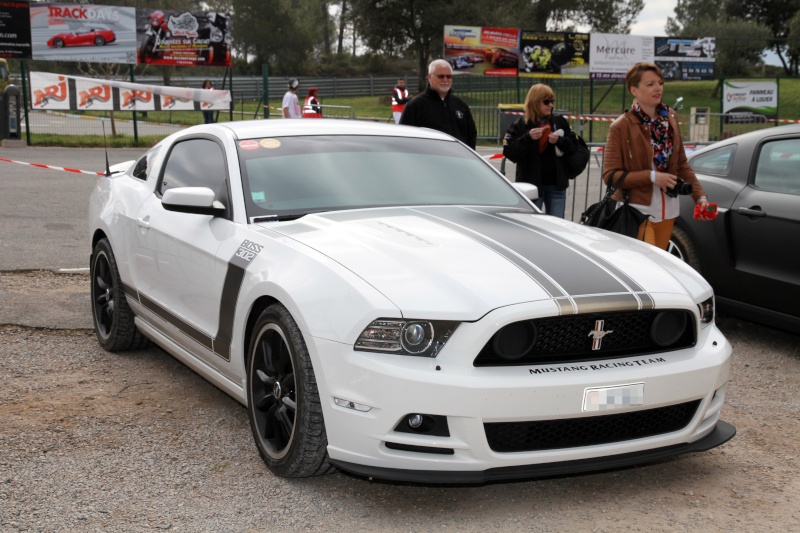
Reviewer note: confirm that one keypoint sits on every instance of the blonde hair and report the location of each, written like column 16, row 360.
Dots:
column 634, row 75
column 536, row 94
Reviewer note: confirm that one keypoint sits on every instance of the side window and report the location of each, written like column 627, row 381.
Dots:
column 778, row 167
column 143, row 167
column 196, row 163
column 716, row 162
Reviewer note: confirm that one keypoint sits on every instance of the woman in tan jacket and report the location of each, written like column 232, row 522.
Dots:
column 646, row 141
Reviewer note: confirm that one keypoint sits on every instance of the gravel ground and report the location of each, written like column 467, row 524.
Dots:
column 95, row 441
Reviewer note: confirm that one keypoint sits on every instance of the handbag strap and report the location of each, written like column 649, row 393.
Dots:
column 612, row 187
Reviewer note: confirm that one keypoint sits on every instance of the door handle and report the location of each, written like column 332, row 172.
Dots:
column 751, row 212
column 143, row 223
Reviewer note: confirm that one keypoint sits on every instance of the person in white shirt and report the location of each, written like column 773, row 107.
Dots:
column 291, row 107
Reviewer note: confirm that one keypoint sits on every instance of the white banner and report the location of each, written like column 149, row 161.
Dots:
column 58, row 91
column 613, row 54
column 759, row 97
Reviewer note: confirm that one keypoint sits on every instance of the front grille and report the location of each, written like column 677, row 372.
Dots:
column 505, row 437
column 569, row 339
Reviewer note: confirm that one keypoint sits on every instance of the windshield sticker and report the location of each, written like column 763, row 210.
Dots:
column 270, row 143
column 258, row 197
column 597, row 366
column 248, row 145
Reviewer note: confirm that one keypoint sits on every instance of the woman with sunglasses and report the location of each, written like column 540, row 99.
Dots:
column 534, row 142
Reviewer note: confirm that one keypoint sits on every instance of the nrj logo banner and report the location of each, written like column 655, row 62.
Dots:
column 75, row 93
column 759, row 97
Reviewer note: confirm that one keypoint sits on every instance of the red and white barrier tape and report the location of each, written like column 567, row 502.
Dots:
column 64, row 169
column 569, row 117
column 785, row 120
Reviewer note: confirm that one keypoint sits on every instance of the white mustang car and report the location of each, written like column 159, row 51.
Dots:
column 384, row 302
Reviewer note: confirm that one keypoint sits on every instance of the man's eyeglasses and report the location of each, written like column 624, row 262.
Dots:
column 444, row 76
column 548, row 101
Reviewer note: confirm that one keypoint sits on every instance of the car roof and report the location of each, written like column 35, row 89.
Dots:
column 251, row 129
column 751, row 137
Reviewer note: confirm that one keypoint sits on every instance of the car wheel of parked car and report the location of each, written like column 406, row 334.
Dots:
column 283, row 402
column 682, row 247
column 99, row 41
column 58, row 43
column 113, row 318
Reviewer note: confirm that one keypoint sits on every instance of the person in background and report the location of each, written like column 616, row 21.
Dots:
column 399, row 99
column 646, row 141
column 311, row 107
column 534, row 141
column 290, row 105
column 439, row 109
column 208, row 115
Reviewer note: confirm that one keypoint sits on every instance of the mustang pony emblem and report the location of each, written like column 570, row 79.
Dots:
column 597, row 334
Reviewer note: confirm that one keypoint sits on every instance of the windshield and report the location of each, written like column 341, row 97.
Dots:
column 297, row 175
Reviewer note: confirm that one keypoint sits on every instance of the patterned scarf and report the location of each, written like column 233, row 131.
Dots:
column 660, row 134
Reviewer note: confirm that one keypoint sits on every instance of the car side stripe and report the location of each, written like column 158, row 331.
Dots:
column 184, row 327
column 234, row 277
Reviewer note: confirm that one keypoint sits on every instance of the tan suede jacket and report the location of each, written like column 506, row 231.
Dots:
column 628, row 148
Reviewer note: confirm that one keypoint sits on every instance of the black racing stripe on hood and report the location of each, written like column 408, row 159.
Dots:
column 574, row 271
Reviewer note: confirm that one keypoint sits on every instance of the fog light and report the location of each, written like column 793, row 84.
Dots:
column 415, row 421
column 347, row 404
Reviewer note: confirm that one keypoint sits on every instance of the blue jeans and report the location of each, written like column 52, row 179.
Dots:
column 555, row 201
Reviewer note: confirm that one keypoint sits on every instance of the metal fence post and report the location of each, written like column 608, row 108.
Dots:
column 135, row 124
column 265, row 78
column 24, row 76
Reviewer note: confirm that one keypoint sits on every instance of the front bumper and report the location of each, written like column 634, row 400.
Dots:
column 449, row 386
column 723, row 432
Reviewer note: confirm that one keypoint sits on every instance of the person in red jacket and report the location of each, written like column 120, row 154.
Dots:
column 311, row 107
column 399, row 99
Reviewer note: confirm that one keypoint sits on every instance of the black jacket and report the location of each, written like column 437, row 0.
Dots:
column 519, row 148
column 451, row 115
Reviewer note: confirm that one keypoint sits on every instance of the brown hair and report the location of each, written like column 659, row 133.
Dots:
column 635, row 73
column 536, row 94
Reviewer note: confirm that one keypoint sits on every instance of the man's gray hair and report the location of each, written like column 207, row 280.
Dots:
column 438, row 63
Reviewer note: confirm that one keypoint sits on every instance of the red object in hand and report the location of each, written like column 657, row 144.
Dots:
column 709, row 213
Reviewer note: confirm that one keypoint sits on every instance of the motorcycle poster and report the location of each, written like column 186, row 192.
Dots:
column 183, row 38
column 554, row 55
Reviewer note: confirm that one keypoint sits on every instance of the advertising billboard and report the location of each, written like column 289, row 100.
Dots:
column 683, row 58
column 62, row 92
column 483, row 51
column 554, row 54
column 757, row 97
column 613, row 54
column 183, row 38
column 90, row 33
column 15, row 30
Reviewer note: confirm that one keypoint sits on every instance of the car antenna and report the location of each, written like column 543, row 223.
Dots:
column 105, row 147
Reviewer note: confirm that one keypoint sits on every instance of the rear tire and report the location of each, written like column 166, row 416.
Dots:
column 282, row 399
column 681, row 246
column 99, row 41
column 113, row 318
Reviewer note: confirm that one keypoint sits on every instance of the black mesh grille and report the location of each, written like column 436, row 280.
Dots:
column 506, row 437
column 566, row 339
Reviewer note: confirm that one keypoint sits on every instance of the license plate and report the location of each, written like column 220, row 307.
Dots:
column 609, row 398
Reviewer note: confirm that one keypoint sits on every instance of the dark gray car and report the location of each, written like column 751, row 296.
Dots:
column 751, row 253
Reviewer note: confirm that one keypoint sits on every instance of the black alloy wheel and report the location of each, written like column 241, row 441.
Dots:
column 282, row 398
column 113, row 318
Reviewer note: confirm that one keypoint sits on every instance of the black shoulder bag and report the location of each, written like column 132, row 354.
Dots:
column 624, row 220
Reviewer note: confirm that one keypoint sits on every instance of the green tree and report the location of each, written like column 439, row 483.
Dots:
column 775, row 15
column 604, row 16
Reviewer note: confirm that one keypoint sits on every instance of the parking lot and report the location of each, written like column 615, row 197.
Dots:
column 93, row 441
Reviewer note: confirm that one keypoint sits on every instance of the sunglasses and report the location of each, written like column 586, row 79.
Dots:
column 548, row 101
column 444, row 76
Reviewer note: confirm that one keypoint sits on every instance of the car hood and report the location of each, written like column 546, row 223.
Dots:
column 462, row 262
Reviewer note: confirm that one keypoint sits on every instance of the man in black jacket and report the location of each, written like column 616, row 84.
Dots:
column 439, row 109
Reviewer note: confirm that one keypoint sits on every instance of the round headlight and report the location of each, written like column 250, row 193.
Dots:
column 416, row 337
column 668, row 327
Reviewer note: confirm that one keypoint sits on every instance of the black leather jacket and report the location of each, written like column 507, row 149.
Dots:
column 519, row 148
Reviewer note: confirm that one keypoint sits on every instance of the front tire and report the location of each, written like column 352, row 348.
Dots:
column 682, row 247
column 282, row 399
column 58, row 43
column 99, row 41
column 112, row 317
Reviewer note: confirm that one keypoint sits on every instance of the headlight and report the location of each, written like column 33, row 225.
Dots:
column 423, row 338
column 707, row 311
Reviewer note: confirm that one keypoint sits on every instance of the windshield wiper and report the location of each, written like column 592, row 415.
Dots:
column 277, row 218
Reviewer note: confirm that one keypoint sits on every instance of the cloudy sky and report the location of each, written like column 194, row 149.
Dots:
column 653, row 18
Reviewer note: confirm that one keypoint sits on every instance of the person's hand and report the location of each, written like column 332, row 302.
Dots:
column 703, row 203
column 665, row 181
column 553, row 138
column 536, row 133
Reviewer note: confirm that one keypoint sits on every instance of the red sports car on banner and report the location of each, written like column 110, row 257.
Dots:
column 85, row 38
